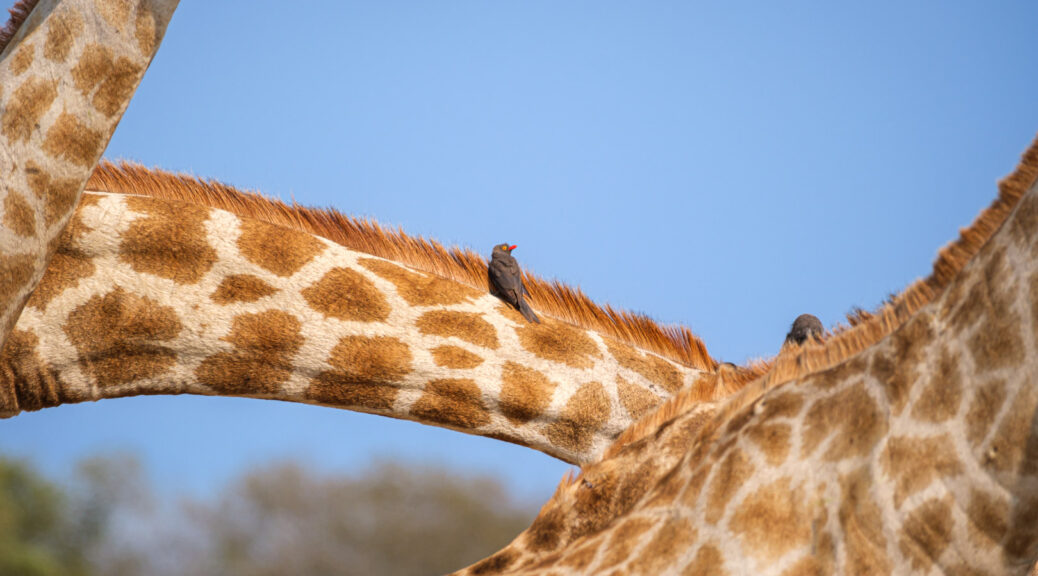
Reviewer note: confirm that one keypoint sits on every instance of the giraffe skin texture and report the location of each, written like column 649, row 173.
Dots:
column 67, row 74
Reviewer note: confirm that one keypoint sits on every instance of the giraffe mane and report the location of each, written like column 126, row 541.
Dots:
column 19, row 12
column 865, row 328
column 553, row 298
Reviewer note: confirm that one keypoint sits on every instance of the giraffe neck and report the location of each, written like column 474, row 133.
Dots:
column 150, row 296
column 67, row 77
column 917, row 455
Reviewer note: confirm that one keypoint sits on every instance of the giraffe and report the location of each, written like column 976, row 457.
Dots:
column 158, row 295
column 68, row 69
column 907, row 444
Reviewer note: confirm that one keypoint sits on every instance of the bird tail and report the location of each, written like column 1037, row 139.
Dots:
column 527, row 312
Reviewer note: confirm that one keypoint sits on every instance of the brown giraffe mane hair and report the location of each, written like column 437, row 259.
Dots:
column 552, row 298
column 866, row 328
column 19, row 12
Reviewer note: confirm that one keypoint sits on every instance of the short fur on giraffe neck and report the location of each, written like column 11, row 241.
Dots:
column 915, row 454
column 68, row 69
column 152, row 296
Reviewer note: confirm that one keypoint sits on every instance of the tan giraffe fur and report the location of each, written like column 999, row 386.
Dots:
column 152, row 296
column 917, row 454
column 67, row 70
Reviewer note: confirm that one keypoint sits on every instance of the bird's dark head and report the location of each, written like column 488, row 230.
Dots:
column 504, row 248
column 804, row 327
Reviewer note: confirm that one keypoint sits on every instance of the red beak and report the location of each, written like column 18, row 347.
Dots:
column 513, row 247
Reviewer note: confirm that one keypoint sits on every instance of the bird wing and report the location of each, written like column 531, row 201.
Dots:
column 506, row 280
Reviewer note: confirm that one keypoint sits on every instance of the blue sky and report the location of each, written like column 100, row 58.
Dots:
column 722, row 165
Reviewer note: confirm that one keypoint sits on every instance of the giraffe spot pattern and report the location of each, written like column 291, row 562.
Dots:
column 773, row 520
column 581, row 558
column 117, row 87
column 708, row 560
column 168, row 240
column 366, row 373
column 784, row 405
column 861, row 521
column 625, row 537
column 241, row 288
column 346, row 294
column 15, row 272
column 652, row 368
column 988, row 518
column 666, row 545
column 546, row 531
column 1013, row 448
column 635, row 399
column 420, row 289
column 26, row 381
column 850, row 418
column 23, row 58
column 58, row 194
column 772, row 439
column 494, row 564
column 896, row 370
column 119, row 337
column 468, row 326
column 455, row 402
column 455, row 357
column 69, row 264
column 584, row 415
column 64, row 29
column 525, row 393
column 822, row 561
column 74, row 141
column 19, row 216
column 1018, row 546
column 26, row 108
column 115, row 12
column 264, row 346
column 558, row 342
column 733, row 471
column 926, row 533
column 988, row 398
column 941, row 397
column 145, row 31
column 276, row 249
column 92, row 68
column 913, row 463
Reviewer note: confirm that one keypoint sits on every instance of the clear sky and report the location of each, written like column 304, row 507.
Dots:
column 725, row 165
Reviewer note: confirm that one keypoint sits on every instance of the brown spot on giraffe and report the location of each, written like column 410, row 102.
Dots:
column 1023, row 225
column 635, row 399
column 168, row 240
column 582, row 557
column 26, row 381
column 625, row 537
column 988, row 518
column 241, row 288
column 1013, row 447
column 495, row 564
column 64, row 29
column 862, row 523
column 942, row 395
column 468, row 326
column 585, row 413
column 420, row 289
column 988, row 399
column 367, row 372
column 92, row 68
column 346, row 294
column 1019, row 544
column 708, row 560
column 264, row 346
column 18, row 214
column 652, row 367
column 69, row 264
column 558, row 342
column 74, row 141
column 455, row 357
column 23, row 58
column 729, row 476
column 820, row 563
column 115, row 12
column 772, row 439
column 773, row 520
column 926, row 533
column 914, row 463
column 59, row 195
column 546, row 531
column 525, row 393
column 850, row 418
column 117, row 87
column 666, row 545
column 276, row 249
column 784, row 405
column 26, row 107
column 145, row 31
column 118, row 337
column 456, row 402
column 896, row 370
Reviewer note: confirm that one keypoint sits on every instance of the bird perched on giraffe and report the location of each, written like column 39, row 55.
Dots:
column 506, row 281
column 804, row 327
